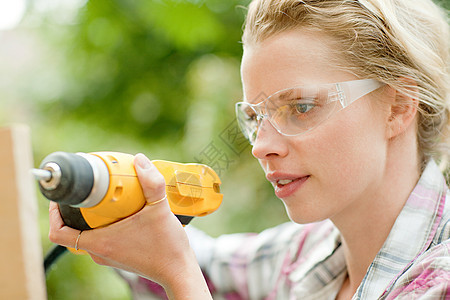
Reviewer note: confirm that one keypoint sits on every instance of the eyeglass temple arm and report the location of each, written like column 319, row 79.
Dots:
column 355, row 90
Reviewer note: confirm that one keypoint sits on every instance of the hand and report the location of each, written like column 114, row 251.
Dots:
column 151, row 243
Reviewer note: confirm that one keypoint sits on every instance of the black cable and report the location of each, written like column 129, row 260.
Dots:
column 52, row 255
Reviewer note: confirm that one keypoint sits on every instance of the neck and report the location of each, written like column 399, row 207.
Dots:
column 366, row 225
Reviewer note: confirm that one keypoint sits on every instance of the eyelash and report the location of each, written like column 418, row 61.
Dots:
column 303, row 101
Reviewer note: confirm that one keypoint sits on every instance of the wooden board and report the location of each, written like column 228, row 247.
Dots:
column 21, row 263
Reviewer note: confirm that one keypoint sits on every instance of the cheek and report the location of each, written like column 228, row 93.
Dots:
column 345, row 157
column 351, row 150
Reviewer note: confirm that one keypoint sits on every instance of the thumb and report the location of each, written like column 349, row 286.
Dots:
column 151, row 180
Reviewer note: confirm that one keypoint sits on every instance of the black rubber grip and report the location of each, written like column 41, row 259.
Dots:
column 77, row 178
column 73, row 217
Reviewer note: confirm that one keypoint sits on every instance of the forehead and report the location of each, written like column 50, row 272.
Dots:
column 296, row 57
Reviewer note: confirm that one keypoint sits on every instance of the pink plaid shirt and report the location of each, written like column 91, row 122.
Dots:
column 294, row 261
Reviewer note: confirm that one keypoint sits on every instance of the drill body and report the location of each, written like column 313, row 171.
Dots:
column 99, row 188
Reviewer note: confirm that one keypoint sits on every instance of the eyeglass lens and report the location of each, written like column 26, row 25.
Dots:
column 290, row 111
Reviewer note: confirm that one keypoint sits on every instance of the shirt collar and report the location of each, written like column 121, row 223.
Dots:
column 412, row 233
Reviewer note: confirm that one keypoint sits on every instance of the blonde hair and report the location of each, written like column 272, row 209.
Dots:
column 389, row 40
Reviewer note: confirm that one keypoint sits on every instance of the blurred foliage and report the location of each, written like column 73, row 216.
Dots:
column 125, row 62
column 158, row 77
column 444, row 3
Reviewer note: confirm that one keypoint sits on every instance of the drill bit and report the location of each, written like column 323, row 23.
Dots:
column 41, row 174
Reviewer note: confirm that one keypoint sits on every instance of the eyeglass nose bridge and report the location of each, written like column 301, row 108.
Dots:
column 260, row 117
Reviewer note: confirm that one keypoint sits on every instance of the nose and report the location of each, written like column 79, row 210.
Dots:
column 269, row 143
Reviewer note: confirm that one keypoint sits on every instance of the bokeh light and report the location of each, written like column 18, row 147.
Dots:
column 11, row 13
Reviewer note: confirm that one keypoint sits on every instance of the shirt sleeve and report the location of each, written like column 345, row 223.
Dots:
column 245, row 265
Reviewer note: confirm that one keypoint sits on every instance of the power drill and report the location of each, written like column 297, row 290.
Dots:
column 99, row 188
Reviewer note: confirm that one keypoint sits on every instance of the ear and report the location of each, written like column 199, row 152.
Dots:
column 402, row 109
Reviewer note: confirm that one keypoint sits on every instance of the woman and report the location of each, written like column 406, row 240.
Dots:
column 358, row 111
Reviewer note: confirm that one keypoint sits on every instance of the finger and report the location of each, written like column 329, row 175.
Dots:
column 55, row 216
column 59, row 233
column 151, row 180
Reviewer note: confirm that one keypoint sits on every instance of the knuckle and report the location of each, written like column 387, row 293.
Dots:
column 153, row 184
column 52, row 236
column 156, row 179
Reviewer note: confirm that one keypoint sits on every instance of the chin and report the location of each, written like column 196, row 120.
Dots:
column 304, row 217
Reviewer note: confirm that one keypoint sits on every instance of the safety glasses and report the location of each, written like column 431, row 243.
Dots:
column 299, row 109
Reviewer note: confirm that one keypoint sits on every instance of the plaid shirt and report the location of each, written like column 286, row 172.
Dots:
column 294, row 261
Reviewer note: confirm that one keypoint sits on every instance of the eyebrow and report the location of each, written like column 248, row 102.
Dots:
column 285, row 94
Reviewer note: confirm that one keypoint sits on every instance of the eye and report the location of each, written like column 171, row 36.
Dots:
column 303, row 106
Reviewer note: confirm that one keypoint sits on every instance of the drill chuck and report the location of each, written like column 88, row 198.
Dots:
column 78, row 180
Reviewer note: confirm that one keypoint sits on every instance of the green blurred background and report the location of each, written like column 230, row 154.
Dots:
column 158, row 77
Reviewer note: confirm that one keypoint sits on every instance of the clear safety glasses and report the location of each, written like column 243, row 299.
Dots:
column 299, row 109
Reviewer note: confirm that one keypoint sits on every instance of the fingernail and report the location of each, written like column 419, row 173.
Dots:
column 142, row 161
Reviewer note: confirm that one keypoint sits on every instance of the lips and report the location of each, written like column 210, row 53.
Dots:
column 284, row 181
column 286, row 184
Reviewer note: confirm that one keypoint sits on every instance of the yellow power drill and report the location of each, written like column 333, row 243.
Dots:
column 99, row 188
